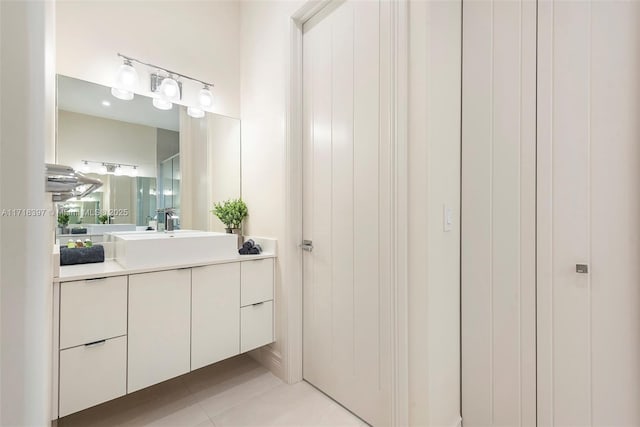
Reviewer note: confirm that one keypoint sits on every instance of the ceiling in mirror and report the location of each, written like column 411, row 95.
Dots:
column 79, row 96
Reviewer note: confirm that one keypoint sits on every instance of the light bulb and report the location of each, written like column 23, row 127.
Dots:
column 205, row 98
column 85, row 167
column 126, row 81
column 169, row 89
column 195, row 112
column 103, row 169
column 161, row 104
column 118, row 170
column 125, row 95
column 134, row 172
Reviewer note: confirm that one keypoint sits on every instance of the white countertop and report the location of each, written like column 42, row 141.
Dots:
column 111, row 267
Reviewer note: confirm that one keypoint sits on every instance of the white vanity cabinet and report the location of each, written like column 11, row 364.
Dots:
column 256, row 313
column 215, row 313
column 116, row 335
column 159, row 327
column 93, row 342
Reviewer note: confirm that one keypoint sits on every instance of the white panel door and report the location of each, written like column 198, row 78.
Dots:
column 589, row 213
column 347, row 207
column 498, row 213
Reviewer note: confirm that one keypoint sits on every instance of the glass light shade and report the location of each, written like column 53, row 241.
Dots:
column 195, row 112
column 102, row 170
column 85, row 167
column 134, row 172
column 162, row 104
column 169, row 89
column 125, row 95
column 127, row 78
column 205, row 98
column 119, row 170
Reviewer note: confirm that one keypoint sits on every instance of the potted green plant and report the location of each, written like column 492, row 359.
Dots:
column 63, row 222
column 231, row 213
column 103, row 219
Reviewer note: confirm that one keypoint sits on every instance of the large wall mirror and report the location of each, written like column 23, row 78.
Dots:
column 148, row 159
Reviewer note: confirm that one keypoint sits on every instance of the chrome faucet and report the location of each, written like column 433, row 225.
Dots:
column 169, row 217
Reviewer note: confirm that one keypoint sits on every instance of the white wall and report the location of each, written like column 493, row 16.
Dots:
column 498, row 199
column 196, row 38
column 27, row 110
column 82, row 137
column 434, row 181
column 223, row 142
column 264, row 70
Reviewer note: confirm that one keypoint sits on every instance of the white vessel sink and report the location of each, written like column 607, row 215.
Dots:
column 157, row 249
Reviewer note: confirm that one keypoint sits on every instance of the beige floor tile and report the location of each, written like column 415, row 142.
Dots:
column 223, row 396
column 288, row 405
column 236, row 392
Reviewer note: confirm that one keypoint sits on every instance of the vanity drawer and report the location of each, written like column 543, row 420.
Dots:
column 256, row 281
column 92, row 310
column 92, row 374
column 256, row 325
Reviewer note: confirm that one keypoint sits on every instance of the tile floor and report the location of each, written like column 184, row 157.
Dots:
column 235, row 392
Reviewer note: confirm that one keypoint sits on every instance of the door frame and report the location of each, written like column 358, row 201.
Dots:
column 292, row 297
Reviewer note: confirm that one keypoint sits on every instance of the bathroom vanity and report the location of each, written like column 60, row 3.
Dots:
column 119, row 329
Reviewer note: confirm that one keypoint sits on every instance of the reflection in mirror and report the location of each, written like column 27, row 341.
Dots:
column 148, row 159
column 123, row 143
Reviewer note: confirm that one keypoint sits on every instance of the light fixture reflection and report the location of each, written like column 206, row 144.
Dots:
column 195, row 112
column 162, row 104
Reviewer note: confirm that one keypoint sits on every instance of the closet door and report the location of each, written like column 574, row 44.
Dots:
column 589, row 213
column 498, row 213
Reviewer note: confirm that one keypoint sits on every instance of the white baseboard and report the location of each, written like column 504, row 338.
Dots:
column 270, row 359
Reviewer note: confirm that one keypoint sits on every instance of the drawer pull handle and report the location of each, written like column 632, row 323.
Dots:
column 95, row 343
column 93, row 279
column 258, row 303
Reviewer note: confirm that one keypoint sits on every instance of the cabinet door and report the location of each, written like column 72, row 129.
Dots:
column 159, row 327
column 91, row 374
column 257, row 281
column 92, row 310
column 215, row 313
column 257, row 325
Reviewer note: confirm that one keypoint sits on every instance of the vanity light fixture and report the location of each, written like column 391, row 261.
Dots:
column 112, row 168
column 169, row 89
column 166, row 87
column 85, row 167
column 205, row 101
column 126, row 81
column 205, row 97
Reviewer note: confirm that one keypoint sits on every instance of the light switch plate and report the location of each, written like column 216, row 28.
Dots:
column 447, row 218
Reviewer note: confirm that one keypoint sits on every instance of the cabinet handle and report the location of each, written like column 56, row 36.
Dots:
column 93, row 279
column 95, row 343
column 258, row 303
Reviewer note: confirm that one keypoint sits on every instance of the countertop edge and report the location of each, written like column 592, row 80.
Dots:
column 111, row 268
